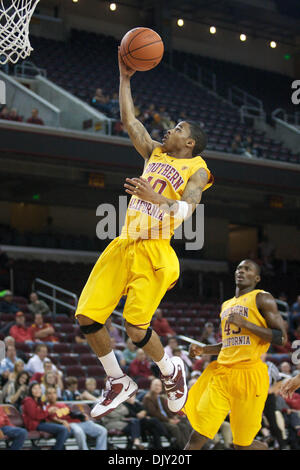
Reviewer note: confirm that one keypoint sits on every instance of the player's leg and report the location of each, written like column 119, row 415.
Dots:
column 249, row 392
column 100, row 296
column 207, row 405
column 196, row 441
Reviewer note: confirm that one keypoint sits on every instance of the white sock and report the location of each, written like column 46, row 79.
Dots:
column 166, row 366
column 111, row 365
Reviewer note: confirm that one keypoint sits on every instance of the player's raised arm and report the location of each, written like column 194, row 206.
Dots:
column 138, row 134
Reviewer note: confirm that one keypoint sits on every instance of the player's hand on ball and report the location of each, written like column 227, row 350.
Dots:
column 141, row 188
column 124, row 70
column 196, row 350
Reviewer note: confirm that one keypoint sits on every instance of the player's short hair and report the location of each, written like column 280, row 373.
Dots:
column 257, row 267
column 199, row 136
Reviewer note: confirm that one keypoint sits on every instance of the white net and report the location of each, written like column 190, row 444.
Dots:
column 15, row 16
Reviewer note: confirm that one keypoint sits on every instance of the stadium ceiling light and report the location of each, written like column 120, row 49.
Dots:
column 212, row 30
column 180, row 22
column 112, row 6
column 273, row 44
column 243, row 37
column 75, row 1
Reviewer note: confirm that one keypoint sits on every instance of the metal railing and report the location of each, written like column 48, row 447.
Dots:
column 53, row 298
column 240, row 97
column 28, row 69
column 282, row 115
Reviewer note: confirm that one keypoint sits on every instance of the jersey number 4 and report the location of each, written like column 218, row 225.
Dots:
column 228, row 330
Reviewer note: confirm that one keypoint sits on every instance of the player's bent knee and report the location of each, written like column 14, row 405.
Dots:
column 137, row 340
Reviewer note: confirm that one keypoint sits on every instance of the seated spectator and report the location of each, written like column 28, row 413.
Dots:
column 51, row 379
column 6, row 304
column 208, row 335
column 78, row 424
column 140, row 366
column 119, row 129
column 161, row 325
column 236, row 145
column 36, row 305
column 294, row 315
column 16, row 434
column 20, row 332
column 91, row 392
column 4, row 113
column 16, row 390
column 201, row 364
column 177, row 427
column 8, row 363
column 10, row 341
column 113, row 104
column 113, row 332
column 34, row 118
column 129, row 352
column 13, row 115
column 42, row 332
column 18, row 367
column 173, row 345
column 71, row 392
column 119, row 419
column 35, row 417
column 100, row 101
column 286, row 368
column 48, row 367
column 149, row 425
column 36, row 363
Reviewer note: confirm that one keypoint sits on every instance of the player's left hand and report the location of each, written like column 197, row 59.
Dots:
column 236, row 319
column 141, row 188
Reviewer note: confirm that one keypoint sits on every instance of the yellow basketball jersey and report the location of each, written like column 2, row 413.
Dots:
column 238, row 344
column 168, row 176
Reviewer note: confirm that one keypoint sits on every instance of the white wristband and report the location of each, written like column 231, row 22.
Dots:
column 182, row 210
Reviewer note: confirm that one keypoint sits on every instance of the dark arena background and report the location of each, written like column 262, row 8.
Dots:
column 231, row 65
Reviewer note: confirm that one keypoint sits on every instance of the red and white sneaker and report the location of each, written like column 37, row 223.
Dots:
column 175, row 386
column 116, row 392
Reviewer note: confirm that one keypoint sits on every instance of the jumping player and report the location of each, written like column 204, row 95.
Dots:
column 238, row 381
column 141, row 263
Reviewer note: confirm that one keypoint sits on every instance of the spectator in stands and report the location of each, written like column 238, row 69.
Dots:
column 8, row 363
column 16, row 390
column 36, row 363
column 140, row 366
column 236, row 145
column 10, row 341
column 286, row 368
column 208, row 335
column 172, row 346
column 16, row 434
column 113, row 104
column 119, row 354
column 42, row 332
column 19, row 331
column 51, row 379
column 129, row 352
column 156, row 406
column 18, row 367
column 71, row 392
column 14, row 116
column 201, row 364
column 37, row 306
column 77, row 423
column 35, row 416
column 161, row 325
column 6, row 304
column 100, row 101
column 4, row 113
column 149, row 425
column 294, row 315
column 119, row 419
column 114, row 333
column 34, row 118
column 91, row 392
column 119, row 129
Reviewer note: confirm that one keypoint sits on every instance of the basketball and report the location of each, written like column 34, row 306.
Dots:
column 141, row 49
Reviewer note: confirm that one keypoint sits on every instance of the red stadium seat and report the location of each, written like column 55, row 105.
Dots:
column 88, row 360
column 68, row 359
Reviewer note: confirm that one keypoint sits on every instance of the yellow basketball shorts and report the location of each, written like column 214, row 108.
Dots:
column 143, row 270
column 240, row 390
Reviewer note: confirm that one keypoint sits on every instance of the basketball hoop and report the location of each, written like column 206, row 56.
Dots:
column 15, row 16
